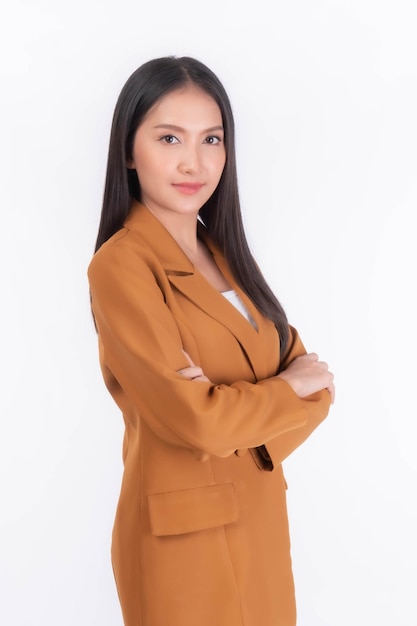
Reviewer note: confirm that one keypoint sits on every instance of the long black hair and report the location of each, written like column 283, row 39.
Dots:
column 221, row 214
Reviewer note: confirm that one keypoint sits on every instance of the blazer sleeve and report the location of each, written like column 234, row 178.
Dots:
column 141, row 347
column 274, row 451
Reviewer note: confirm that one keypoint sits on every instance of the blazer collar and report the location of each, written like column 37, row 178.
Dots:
column 158, row 239
column 260, row 344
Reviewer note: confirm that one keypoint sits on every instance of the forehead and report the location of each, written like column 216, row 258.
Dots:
column 187, row 106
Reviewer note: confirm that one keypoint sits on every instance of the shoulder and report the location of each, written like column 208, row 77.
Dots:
column 126, row 252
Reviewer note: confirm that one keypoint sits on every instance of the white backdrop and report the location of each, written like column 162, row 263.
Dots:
column 324, row 95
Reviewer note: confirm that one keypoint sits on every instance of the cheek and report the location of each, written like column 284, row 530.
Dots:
column 223, row 158
column 218, row 163
column 148, row 166
column 221, row 165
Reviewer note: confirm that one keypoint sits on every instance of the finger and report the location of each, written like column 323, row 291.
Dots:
column 312, row 356
column 189, row 359
column 191, row 372
column 202, row 379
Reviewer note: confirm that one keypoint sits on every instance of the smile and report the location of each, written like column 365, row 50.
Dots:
column 188, row 188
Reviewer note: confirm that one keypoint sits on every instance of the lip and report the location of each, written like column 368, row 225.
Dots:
column 188, row 188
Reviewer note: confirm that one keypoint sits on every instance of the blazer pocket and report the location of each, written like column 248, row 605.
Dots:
column 189, row 510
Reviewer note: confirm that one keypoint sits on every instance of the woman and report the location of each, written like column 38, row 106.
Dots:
column 215, row 387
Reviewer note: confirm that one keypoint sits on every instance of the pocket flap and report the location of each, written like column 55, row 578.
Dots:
column 188, row 510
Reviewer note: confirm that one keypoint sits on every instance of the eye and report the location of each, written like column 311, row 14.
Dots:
column 169, row 139
column 213, row 140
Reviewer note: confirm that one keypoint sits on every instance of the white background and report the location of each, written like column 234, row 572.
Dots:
column 325, row 99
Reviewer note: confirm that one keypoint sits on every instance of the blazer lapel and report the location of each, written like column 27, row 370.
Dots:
column 260, row 344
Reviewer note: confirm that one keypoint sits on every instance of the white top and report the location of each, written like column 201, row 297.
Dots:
column 238, row 304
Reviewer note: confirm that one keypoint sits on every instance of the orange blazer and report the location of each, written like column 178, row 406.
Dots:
column 201, row 531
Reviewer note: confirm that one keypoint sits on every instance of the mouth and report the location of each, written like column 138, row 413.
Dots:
column 188, row 188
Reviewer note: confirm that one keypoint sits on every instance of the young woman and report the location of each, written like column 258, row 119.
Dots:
column 214, row 385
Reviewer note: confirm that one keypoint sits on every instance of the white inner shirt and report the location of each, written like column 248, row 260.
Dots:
column 238, row 304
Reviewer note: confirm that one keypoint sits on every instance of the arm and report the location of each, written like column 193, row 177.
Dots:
column 305, row 374
column 142, row 348
column 310, row 379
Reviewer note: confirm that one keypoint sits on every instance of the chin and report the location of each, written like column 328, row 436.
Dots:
column 188, row 206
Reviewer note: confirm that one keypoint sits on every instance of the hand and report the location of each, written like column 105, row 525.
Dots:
column 306, row 375
column 193, row 372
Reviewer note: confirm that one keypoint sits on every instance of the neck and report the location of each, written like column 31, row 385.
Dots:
column 183, row 228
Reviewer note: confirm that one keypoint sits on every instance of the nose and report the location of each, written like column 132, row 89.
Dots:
column 190, row 159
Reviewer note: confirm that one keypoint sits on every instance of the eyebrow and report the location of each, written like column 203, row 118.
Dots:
column 179, row 128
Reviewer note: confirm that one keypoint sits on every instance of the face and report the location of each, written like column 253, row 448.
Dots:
column 179, row 153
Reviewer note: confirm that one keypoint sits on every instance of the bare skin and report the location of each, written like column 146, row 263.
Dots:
column 203, row 261
column 306, row 375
